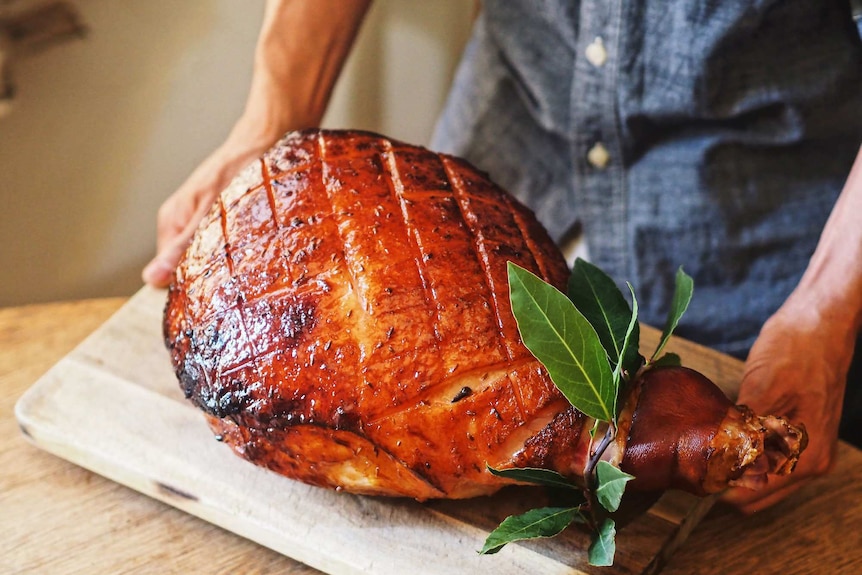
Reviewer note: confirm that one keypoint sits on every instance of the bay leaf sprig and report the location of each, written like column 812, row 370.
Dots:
column 587, row 339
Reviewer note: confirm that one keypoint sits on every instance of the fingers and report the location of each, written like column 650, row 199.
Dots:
column 177, row 221
column 180, row 214
column 160, row 270
column 750, row 501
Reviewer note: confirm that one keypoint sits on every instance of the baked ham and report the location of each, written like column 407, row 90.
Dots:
column 342, row 317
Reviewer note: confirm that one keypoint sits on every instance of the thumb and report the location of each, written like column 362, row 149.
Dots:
column 159, row 272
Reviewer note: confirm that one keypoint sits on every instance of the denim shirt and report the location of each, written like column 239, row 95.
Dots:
column 714, row 135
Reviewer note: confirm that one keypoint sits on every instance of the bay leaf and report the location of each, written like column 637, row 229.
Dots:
column 560, row 337
column 535, row 475
column 683, row 290
column 599, row 299
column 536, row 523
column 668, row 359
column 602, row 549
column 611, row 485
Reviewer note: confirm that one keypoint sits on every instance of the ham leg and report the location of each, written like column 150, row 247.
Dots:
column 342, row 317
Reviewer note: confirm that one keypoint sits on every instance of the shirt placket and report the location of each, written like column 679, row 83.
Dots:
column 597, row 147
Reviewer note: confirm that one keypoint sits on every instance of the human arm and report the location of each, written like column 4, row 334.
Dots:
column 799, row 362
column 299, row 54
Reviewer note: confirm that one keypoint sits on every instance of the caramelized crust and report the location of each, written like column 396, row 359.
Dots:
column 349, row 293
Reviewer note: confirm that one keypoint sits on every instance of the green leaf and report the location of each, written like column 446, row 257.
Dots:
column 681, row 297
column 603, row 547
column 599, row 299
column 668, row 359
column 612, row 484
column 535, row 475
column 541, row 522
column 627, row 343
column 565, row 342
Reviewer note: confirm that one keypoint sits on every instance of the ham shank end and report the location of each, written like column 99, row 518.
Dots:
column 686, row 434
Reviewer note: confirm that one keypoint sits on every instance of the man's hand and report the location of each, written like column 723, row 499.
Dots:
column 181, row 213
column 798, row 365
column 797, row 368
column 300, row 51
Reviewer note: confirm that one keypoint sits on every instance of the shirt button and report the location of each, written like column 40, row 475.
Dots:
column 598, row 156
column 596, row 53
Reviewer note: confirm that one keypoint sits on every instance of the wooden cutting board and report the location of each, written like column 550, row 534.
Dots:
column 113, row 406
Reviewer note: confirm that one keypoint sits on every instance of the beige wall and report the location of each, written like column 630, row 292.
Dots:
column 103, row 129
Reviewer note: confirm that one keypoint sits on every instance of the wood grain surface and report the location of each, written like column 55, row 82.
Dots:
column 59, row 518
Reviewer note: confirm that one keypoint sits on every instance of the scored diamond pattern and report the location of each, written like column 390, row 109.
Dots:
column 356, row 283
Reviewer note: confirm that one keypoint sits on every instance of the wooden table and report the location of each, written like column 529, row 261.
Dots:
column 58, row 518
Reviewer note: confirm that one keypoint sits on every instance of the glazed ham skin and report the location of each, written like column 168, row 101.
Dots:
column 342, row 317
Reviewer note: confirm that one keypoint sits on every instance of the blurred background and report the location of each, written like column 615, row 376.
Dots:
column 107, row 105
